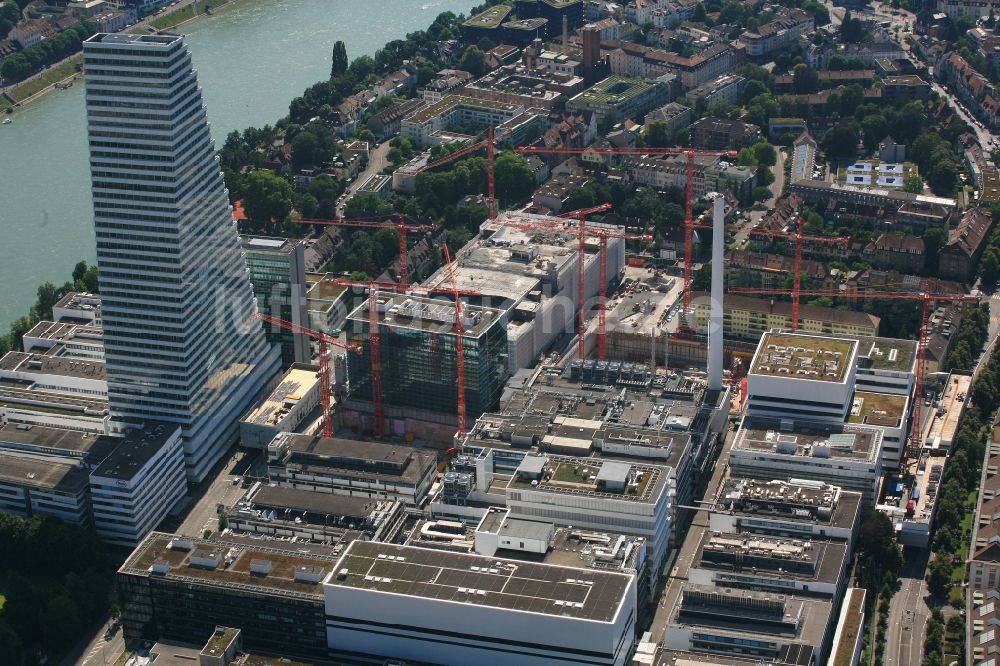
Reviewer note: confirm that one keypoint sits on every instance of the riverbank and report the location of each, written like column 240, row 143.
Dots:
column 68, row 70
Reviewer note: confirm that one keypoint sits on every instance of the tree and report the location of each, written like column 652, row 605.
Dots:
column 805, row 80
column 267, row 197
column 656, row 134
column 943, row 177
column 935, row 238
column 939, row 576
column 852, row 30
column 514, row 178
column 473, row 61
column 913, row 184
column 699, row 15
column 840, row 141
column 340, row 63
column 765, row 154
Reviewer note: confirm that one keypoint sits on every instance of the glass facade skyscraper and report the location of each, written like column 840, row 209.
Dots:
column 182, row 343
column 278, row 275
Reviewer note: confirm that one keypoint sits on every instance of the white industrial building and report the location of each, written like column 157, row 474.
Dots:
column 534, row 277
column 607, row 495
column 421, row 605
column 295, row 397
column 848, row 456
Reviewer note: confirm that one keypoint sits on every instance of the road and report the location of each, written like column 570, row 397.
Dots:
column 96, row 651
column 224, row 488
column 376, row 162
column 908, row 613
column 741, row 235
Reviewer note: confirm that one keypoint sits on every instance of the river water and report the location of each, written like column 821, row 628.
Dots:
column 252, row 59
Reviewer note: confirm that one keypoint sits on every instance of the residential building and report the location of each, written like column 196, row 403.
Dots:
column 869, row 53
column 556, row 190
column 278, row 276
column 785, row 83
column 711, row 133
column 778, row 127
column 674, row 115
column 897, row 89
column 901, row 252
column 531, row 613
column 983, row 597
column 804, row 158
column 726, row 89
column 974, row 8
column 296, row 397
column 971, row 87
column 959, row 258
column 182, row 343
column 706, row 65
column 456, row 111
column 636, row 60
column 350, row 467
column 711, row 174
column 31, row 31
column 779, row 33
column 444, row 83
column 748, row 318
column 913, row 210
column 987, row 43
column 620, row 98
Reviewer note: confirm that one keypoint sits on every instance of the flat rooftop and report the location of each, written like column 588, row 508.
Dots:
column 491, row 18
column 449, row 102
column 66, row 332
column 267, row 244
column 888, row 353
column 44, row 364
column 402, row 311
column 155, row 557
column 798, row 623
column 42, row 474
column 879, row 409
column 55, row 441
column 298, row 500
column 817, row 440
column 133, row 450
column 369, row 459
column 509, row 585
column 795, row 559
column 591, row 477
column 798, row 356
column 796, row 500
column 293, row 387
column 615, row 90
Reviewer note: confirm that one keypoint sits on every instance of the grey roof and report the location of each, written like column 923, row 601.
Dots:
column 483, row 581
column 532, row 465
column 613, row 472
column 526, row 529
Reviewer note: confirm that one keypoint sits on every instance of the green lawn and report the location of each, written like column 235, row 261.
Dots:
column 3, row 600
column 52, row 75
column 172, row 19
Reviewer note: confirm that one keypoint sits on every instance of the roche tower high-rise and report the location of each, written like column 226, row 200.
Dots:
column 181, row 340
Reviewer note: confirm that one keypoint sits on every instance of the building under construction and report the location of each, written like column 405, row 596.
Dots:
column 418, row 363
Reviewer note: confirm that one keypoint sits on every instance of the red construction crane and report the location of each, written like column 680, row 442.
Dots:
column 797, row 265
column 324, row 341
column 690, row 154
column 582, row 231
column 490, row 144
column 926, row 299
column 402, row 227
column 459, row 344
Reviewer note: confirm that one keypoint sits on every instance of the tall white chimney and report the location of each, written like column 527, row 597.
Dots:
column 715, row 315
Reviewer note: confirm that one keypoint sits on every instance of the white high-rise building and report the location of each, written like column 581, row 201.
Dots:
column 181, row 341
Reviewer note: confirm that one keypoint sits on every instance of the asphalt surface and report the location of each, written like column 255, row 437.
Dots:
column 376, row 162
column 908, row 613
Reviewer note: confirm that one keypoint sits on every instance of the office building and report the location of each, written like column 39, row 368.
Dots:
column 417, row 342
column 421, row 605
column 620, row 98
column 278, row 276
column 349, row 467
column 296, row 397
column 794, row 508
column 180, row 589
column 135, row 487
column 182, row 343
column 848, row 456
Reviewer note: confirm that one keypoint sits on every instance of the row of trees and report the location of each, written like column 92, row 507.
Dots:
column 10, row 14
column 48, row 294
column 969, row 340
column 56, row 581
column 45, row 52
column 989, row 262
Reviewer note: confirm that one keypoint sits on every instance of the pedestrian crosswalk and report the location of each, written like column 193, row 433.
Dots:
column 995, row 296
